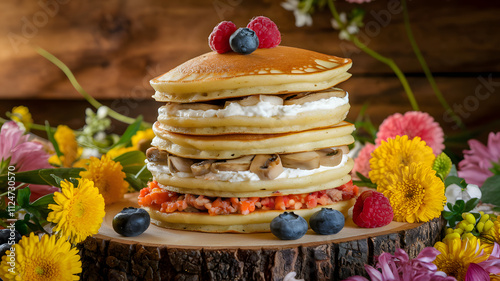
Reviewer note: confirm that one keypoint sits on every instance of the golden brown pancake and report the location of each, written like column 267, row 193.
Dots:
column 266, row 71
column 236, row 145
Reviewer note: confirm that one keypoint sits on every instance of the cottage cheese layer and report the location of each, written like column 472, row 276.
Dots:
column 262, row 109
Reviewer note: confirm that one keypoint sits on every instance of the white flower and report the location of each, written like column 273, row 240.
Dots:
column 454, row 192
column 350, row 27
column 301, row 18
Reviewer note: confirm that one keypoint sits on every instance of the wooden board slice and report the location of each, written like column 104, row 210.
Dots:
column 163, row 254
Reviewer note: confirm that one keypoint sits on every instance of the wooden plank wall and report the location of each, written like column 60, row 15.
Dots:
column 114, row 47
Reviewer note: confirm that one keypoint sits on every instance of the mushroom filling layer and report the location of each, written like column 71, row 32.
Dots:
column 250, row 167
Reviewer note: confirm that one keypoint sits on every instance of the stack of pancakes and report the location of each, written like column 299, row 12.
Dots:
column 263, row 130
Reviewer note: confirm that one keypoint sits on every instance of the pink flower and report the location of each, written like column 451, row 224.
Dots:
column 24, row 155
column 399, row 267
column 362, row 161
column 475, row 168
column 413, row 124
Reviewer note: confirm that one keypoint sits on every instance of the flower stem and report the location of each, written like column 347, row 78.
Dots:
column 425, row 68
column 79, row 88
column 377, row 56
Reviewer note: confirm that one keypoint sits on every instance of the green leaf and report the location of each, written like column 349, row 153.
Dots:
column 44, row 201
column 448, row 215
column 455, row 180
column 496, row 209
column 131, row 158
column 450, row 206
column 57, row 179
column 136, row 183
column 453, row 171
column 50, row 136
column 129, row 132
column 491, row 190
column 471, row 204
column 23, row 197
column 459, row 206
column 44, row 176
column 22, row 227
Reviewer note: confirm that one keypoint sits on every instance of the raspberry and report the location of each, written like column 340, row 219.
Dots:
column 372, row 209
column 219, row 38
column 266, row 30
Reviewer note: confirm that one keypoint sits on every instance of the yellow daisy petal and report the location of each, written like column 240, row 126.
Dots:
column 108, row 176
column 415, row 193
column 391, row 154
column 42, row 259
column 457, row 254
column 79, row 211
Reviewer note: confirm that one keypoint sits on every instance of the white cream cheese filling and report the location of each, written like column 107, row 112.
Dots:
column 262, row 109
column 240, row 176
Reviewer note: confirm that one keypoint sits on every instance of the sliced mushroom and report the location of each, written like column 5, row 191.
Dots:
column 302, row 98
column 266, row 166
column 235, row 165
column 301, row 160
column 330, row 157
column 253, row 100
column 179, row 164
column 174, row 107
column 345, row 149
column 156, row 155
column 201, row 168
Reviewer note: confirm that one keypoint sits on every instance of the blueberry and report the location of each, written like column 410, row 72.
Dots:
column 289, row 226
column 131, row 221
column 244, row 41
column 3, row 249
column 6, row 235
column 327, row 221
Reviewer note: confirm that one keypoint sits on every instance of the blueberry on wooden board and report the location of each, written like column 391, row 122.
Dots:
column 289, row 226
column 327, row 221
column 131, row 221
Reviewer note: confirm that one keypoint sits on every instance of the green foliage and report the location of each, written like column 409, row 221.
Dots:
column 491, row 190
column 31, row 216
column 43, row 176
column 134, row 168
column 455, row 214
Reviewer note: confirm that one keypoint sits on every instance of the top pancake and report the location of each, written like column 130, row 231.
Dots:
column 266, row 71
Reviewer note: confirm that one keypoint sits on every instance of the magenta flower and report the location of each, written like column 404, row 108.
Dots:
column 16, row 150
column 399, row 267
column 362, row 161
column 413, row 124
column 475, row 168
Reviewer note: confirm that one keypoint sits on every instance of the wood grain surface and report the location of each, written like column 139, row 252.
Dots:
column 164, row 254
column 115, row 47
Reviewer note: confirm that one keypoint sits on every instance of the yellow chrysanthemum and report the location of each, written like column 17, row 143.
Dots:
column 415, row 193
column 66, row 140
column 115, row 152
column 78, row 212
column 457, row 254
column 390, row 155
column 492, row 235
column 22, row 115
column 108, row 176
column 43, row 259
column 142, row 139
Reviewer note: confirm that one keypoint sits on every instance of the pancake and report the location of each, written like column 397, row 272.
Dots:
column 292, row 181
column 261, row 115
column 236, row 145
column 266, row 71
column 257, row 221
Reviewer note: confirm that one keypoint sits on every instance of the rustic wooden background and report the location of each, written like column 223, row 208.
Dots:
column 115, row 47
